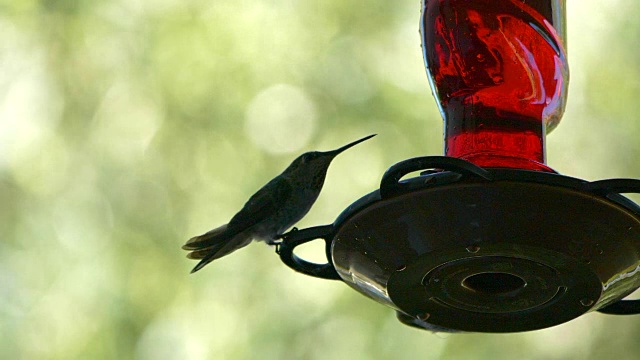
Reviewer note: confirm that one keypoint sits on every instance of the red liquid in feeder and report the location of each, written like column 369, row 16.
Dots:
column 498, row 69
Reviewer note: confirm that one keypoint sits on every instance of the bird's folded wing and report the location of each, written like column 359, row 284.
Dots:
column 265, row 203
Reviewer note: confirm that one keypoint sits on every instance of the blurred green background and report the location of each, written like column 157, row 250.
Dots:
column 128, row 126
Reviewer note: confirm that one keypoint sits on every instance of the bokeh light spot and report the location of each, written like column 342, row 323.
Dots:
column 281, row 119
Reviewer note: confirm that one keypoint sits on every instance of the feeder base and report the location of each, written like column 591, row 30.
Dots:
column 464, row 248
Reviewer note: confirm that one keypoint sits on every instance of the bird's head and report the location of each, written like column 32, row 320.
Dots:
column 312, row 166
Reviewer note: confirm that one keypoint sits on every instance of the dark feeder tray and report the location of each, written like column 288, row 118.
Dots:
column 462, row 248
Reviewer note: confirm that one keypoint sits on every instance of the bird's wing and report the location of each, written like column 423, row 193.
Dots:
column 264, row 203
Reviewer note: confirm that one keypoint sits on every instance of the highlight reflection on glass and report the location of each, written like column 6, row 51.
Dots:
column 499, row 72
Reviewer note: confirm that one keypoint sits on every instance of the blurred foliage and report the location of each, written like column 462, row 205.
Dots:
column 128, row 126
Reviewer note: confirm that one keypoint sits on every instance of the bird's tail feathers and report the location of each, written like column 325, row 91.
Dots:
column 213, row 245
column 217, row 251
column 208, row 239
column 201, row 254
column 205, row 256
column 205, row 247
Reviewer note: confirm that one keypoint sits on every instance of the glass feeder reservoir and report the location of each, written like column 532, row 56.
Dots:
column 499, row 71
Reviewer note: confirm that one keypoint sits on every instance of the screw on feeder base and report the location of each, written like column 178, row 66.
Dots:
column 473, row 249
column 587, row 302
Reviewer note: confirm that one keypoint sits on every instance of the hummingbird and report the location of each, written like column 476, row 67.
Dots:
column 277, row 206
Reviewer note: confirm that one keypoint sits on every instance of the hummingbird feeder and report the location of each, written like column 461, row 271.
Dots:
column 488, row 238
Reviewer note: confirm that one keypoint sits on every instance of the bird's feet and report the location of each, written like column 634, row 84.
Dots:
column 276, row 244
column 285, row 235
column 278, row 239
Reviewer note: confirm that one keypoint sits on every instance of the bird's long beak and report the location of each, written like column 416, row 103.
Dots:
column 341, row 149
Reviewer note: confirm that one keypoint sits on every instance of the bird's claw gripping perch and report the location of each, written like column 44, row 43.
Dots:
column 278, row 239
column 282, row 236
column 276, row 242
column 277, row 245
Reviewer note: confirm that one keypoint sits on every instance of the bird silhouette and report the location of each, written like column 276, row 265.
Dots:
column 277, row 206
